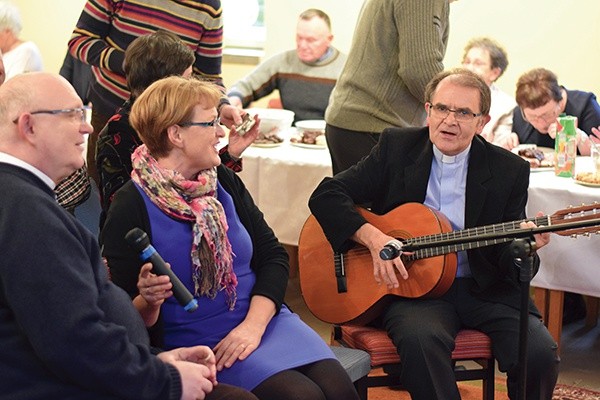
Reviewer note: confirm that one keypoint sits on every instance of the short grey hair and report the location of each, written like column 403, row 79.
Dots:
column 10, row 18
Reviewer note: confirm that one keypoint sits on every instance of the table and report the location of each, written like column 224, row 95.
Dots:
column 567, row 264
column 281, row 180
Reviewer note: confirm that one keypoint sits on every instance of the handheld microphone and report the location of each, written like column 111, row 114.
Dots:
column 391, row 250
column 138, row 239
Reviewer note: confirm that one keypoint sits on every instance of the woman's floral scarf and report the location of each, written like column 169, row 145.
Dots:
column 192, row 200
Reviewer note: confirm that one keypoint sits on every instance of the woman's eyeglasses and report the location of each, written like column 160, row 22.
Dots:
column 214, row 123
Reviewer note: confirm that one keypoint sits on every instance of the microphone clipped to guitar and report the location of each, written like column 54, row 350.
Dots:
column 391, row 250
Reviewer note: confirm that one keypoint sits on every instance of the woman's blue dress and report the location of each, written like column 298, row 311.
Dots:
column 287, row 342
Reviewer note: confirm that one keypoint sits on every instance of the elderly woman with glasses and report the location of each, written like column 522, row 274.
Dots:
column 541, row 100
column 203, row 221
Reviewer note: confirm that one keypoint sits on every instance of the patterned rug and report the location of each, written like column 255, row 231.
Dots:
column 470, row 391
column 564, row 392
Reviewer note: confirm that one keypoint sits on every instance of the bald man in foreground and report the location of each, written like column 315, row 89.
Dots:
column 63, row 325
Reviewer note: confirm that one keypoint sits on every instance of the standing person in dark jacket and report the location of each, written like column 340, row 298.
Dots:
column 66, row 331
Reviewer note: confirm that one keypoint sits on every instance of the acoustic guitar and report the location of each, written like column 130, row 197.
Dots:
column 339, row 287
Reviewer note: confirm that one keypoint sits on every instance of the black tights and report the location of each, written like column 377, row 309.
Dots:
column 322, row 380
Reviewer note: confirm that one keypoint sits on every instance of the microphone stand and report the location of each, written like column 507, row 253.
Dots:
column 522, row 251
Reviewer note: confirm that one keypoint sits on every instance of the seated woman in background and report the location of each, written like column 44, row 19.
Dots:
column 203, row 221
column 19, row 55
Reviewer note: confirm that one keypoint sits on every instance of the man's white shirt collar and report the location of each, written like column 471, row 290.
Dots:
column 8, row 159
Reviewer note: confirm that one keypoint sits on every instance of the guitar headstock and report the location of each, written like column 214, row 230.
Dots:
column 575, row 214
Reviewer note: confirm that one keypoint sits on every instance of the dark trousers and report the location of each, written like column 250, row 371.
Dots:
column 423, row 331
column 348, row 147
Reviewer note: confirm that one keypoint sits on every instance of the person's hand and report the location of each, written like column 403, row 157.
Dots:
column 239, row 343
column 541, row 239
column 553, row 129
column 154, row 288
column 202, row 355
column 230, row 115
column 195, row 380
column 239, row 143
column 512, row 141
column 596, row 135
column 384, row 271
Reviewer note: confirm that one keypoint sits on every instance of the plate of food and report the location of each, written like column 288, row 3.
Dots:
column 310, row 134
column 308, row 145
column 266, row 145
column 591, row 179
column 268, row 139
column 539, row 158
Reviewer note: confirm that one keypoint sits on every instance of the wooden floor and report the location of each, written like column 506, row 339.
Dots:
column 580, row 346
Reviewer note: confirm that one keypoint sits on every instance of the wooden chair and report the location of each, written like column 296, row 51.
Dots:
column 471, row 345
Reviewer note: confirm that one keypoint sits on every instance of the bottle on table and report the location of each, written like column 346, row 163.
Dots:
column 565, row 146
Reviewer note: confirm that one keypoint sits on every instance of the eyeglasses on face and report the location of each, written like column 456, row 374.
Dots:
column 214, row 123
column 545, row 117
column 460, row 114
column 79, row 112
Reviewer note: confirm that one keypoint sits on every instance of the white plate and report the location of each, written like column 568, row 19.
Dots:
column 309, row 146
column 596, row 185
column 541, row 169
column 266, row 145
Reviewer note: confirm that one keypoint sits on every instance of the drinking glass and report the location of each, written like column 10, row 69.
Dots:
column 595, row 154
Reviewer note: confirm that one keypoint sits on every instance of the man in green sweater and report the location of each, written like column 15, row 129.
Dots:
column 304, row 76
column 398, row 46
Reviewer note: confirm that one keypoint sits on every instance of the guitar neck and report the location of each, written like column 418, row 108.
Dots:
column 468, row 239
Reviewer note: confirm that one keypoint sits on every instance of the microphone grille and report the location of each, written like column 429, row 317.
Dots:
column 138, row 239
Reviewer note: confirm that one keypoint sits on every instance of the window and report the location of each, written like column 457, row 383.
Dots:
column 244, row 24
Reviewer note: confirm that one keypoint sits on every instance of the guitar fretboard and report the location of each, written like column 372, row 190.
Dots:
column 432, row 250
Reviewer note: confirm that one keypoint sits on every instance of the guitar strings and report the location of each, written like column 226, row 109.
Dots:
column 360, row 252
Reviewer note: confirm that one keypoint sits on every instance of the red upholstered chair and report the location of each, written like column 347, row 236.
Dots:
column 274, row 103
column 471, row 345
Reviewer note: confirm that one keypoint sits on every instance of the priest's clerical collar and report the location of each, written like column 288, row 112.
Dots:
column 442, row 158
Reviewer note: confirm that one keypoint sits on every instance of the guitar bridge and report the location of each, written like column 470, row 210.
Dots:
column 340, row 272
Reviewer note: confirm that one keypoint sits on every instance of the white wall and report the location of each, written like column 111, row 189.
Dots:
column 561, row 35
column 49, row 24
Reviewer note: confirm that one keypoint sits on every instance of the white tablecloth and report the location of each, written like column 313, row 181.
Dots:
column 281, row 180
column 567, row 264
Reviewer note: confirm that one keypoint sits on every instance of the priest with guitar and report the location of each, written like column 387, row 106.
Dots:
column 452, row 170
